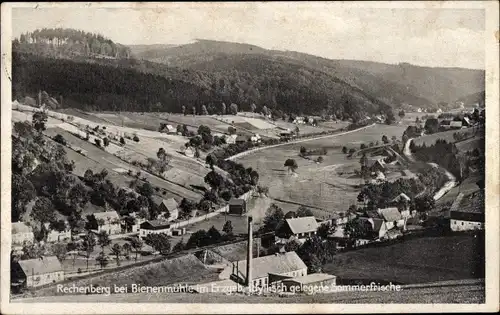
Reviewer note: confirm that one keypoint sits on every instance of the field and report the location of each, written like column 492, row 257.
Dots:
column 418, row 260
column 445, row 135
column 329, row 185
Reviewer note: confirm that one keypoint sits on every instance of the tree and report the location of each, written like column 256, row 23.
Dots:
column 204, row 110
column 304, row 212
column 228, row 228
column 161, row 154
column 136, row 243
column 102, row 259
column 103, row 239
column 211, row 160
column 105, row 141
column 371, row 144
column 291, row 164
column 292, row 246
column 265, row 111
column 214, row 179
column 297, row 130
column 362, row 146
column 136, row 138
column 194, row 110
column 351, row 151
column 274, row 216
column 253, row 107
column 303, row 151
column 199, row 238
column 431, row 125
column 231, row 130
column 424, row 203
column 127, row 248
column 385, row 139
column 344, row 150
column 60, row 250
column 88, row 245
column 97, row 142
column 122, row 140
column 60, row 139
column 146, row 190
column 233, row 108
column 389, row 120
column 394, row 139
column 363, row 160
column 39, row 119
column 117, row 250
column 354, row 229
column 402, row 114
column 160, row 242
column 186, row 206
column 179, row 246
column 214, row 235
column 43, row 211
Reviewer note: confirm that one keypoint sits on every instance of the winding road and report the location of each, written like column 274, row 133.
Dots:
column 452, row 180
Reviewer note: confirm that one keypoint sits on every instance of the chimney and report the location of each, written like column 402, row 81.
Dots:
column 249, row 255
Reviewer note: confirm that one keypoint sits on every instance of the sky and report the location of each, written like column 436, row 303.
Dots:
column 437, row 37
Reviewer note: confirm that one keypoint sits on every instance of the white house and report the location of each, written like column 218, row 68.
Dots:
column 22, row 233
column 111, row 221
column 55, row 236
column 39, row 271
column 172, row 207
column 303, row 227
column 255, row 138
column 155, row 227
column 231, row 139
column 392, row 217
column 267, row 269
column 467, row 212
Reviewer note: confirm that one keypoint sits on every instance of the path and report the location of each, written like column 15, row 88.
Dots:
column 452, row 180
column 294, row 142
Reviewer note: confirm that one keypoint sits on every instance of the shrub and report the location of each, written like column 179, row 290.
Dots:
column 136, row 138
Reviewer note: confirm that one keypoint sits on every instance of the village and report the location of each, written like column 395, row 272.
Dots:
column 293, row 236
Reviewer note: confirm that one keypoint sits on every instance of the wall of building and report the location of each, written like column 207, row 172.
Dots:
column 144, row 232
column 111, row 228
column 460, row 225
column 39, row 280
column 55, row 236
column 20, row 238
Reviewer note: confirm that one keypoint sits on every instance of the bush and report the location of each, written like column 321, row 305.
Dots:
column 60, row 139
column 136, row 138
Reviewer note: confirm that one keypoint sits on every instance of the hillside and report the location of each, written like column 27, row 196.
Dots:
column 395, row 84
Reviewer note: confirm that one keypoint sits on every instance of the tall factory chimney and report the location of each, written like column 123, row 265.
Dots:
column 248, row 280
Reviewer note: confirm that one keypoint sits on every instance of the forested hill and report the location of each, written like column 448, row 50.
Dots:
column 60, row 42
column 143, row 86
column 394, row 84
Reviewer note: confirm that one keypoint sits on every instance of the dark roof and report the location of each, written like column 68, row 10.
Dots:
column 242, row 138
column 155, row 224
column 236, row 202
column 390, row 214
column 469, row 207
column 40, row 265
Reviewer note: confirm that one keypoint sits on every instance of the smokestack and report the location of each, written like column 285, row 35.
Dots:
column 249, row 255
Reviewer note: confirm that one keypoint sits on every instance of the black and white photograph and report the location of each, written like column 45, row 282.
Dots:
column 296, row 157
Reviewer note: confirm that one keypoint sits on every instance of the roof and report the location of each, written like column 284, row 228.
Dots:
column 155, row 224
column 312, row 278
column 302, row 225
column 40, row 265
column 456, row 124
column 106, row 215
column 275, row 264
column 237, row 251
column 20, row 227
column 375, row 223
column 473, row 203
column 390, row 214
column 242, row 138
column 467, row 120
column 456, row 202
column 236, row 202
column 170, row 204
column 401, row 196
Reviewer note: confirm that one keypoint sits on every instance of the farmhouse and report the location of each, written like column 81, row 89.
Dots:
column 268, row 269
column 22, row 233
column 37, row 272
column 169, row 129
column 307, row 282
column 301, row 228
column 256, row 138
column 58, row 236
column 231, row 139
column 467, row 212
column 154, row 227
column 172, row 207
column 189, row 152
column 111, row 222
column 237, row 206
column 392, row 217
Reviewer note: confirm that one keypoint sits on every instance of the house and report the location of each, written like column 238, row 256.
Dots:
column 375, row 227
column 299, row 120
column 154, row 227
column 54, row 236
column 309, row 282
column 402, row 199
column 255, row 138
column 136, row 227
column 242, row 139
column 445, row 124
column 377, row 166
column 466, row 122
column 456, row 125
column 38, row 271
column 189, row 152
column 169, row 129
column 301, row 228
column 467, row 212
column 22, row 233
column 111, row 222
column 231, row 139
column 392, row 217
column 172, row 207
column 237, row 206
column 267, row 269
